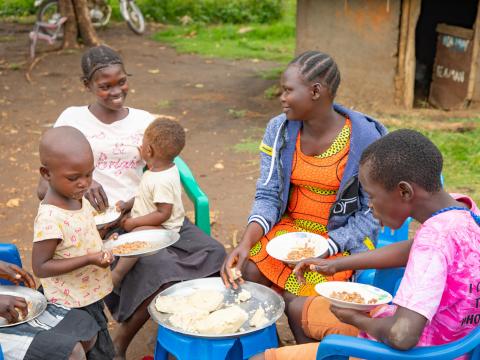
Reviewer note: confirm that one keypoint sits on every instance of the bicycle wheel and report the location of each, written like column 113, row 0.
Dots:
column 49, row 12
column 133, row 16
column 100, row 13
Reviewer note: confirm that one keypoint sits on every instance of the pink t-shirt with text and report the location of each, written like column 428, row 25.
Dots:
column 442, row 276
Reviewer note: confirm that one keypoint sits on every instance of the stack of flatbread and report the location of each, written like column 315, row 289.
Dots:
column 202, row 312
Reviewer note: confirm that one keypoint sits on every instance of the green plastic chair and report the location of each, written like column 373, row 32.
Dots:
column 195, row 194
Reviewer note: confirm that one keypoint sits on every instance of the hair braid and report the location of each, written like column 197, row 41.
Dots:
column 97, row 58
column 318, row 66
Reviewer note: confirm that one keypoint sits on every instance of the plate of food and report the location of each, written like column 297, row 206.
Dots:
column 293, row 247
column 205, row 308
column 106, row 217
column 36, row 303
column 352, row 295
column 142, row 243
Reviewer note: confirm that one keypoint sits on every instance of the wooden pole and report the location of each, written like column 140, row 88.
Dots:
column 402, row 46
column 474, row 63
column 414, row 13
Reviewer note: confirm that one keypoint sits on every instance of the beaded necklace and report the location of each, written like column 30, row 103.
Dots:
column 474, row 216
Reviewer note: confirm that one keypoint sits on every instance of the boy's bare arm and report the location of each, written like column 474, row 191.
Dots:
column 390, row 256
column 401, row 331
column 44, row 265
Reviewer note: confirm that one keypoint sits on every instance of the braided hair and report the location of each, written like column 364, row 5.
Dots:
column 319, row 67
column 404, row 155
column 96, row 58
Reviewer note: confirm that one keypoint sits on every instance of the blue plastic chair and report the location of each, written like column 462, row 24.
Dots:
column 185, row 347
column 388, row 236
column 9, row 253
column 341, row 347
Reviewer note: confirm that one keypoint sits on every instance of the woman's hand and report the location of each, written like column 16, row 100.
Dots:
column 101, row 259
column 16, row 274
column 96, row 196
column 322, row 266
column 232, row 267
column 11, row 305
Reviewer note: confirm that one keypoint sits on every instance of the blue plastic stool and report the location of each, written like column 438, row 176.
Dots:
column 185, row 347
column 9, row 253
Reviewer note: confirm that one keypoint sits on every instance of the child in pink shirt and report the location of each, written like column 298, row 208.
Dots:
column 438, row 300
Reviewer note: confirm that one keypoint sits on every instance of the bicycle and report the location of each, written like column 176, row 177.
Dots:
column 100, row 13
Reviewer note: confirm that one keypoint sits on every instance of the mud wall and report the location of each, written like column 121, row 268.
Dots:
column 362, row 36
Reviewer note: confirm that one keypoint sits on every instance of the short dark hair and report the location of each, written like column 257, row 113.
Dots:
column 318, row 66
column 98, row 57
column 166, row 136
column 404, row 155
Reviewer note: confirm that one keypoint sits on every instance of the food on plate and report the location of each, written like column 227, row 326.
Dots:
column 258, row 319
column 170, row 304
column 223, row 321
column 301, row 252
column 108, row 215
column 130, row 247
column 243, row 296
column 188, row 318
column 235, row 273
column 209, row 300
column 352, row 297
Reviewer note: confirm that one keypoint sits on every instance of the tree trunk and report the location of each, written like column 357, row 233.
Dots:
column 70, row 31
column 87, row 31
column 78, row 21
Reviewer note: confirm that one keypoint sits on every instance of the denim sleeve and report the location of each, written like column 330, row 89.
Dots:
column 360, row 232
column 267, row 204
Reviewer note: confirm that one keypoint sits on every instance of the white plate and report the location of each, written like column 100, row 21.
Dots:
column 157, row 239
column 108, row 216
column 280, row 246
column 38, row 302
column 368, row 292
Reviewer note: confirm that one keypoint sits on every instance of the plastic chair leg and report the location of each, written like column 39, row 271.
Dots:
column 252, row 345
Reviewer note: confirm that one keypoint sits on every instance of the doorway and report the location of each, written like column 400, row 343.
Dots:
column 460, row 13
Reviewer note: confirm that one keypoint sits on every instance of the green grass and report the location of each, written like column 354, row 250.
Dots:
column 274, row 41
column 271, row 74
column 249, row 145
column 461, row 155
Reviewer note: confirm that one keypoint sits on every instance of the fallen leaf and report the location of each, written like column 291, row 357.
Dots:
column 244, row 30
column 15, row 202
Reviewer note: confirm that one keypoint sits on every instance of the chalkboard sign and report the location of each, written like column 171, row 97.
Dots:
column 451, row 68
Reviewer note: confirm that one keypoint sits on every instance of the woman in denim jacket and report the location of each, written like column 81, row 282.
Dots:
column 308, row 179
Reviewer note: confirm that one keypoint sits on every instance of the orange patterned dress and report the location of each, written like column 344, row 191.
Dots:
column 314, row 185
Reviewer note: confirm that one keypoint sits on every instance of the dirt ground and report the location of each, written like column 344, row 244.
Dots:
column 196, row 91
column 220, row 103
